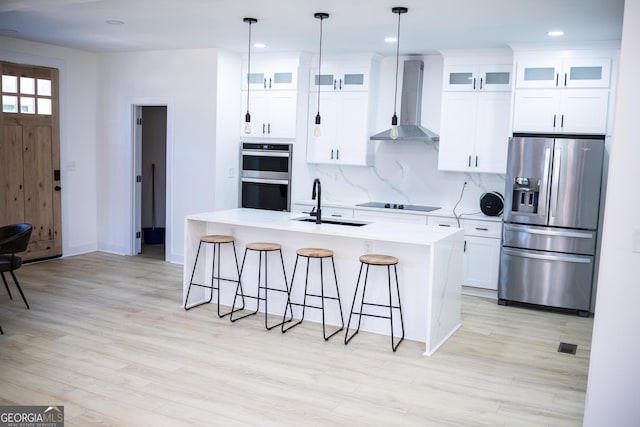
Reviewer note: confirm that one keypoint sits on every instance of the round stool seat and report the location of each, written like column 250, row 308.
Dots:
column 376, row 259
column 264, row 246
column 315, row 252
column 216, row 238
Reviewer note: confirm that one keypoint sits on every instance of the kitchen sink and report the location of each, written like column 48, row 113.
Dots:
column 333, row 221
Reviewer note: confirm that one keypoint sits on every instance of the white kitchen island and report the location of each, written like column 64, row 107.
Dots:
column 429, row 271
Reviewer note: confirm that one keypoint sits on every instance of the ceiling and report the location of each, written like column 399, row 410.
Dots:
column 289, row 25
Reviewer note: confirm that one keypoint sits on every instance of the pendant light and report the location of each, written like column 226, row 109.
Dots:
column 247, row 117
column 394, row 120
column 321, row 16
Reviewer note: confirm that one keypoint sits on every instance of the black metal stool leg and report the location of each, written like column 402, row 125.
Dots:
column 267, row 288
column 244, row 258
column 193, row 272
column 395, row 270
column 348, row 338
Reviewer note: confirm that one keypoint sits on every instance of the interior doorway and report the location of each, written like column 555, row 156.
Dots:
column 150, row 137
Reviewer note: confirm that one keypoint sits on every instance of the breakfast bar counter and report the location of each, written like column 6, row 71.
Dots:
column 429, row 271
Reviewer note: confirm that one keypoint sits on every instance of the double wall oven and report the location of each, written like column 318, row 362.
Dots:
column 265, row 178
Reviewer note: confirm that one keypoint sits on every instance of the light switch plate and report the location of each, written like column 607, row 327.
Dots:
column 636, row 241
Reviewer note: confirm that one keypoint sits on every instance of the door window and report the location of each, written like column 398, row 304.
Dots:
column 26, row 95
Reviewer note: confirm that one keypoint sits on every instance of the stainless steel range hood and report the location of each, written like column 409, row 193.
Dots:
column 409, row 128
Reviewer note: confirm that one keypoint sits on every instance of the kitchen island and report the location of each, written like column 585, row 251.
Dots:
column 429, row 272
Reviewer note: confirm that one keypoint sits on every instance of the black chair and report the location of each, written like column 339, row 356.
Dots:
column 14, row 239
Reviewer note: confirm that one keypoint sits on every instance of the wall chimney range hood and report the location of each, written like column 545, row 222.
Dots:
column 409, row 128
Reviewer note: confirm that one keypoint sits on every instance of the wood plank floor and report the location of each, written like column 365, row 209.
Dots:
column 106, row 337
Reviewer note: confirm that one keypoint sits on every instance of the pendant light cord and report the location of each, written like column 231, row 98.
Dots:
column 395, row 94
column 249, row 67
column 320, row 64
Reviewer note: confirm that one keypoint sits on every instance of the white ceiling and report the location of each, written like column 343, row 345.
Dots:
column 289, row 25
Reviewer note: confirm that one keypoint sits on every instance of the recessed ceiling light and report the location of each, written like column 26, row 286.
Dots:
column 114, row 22
column 555, row 33
column 260, row 45
column 390, row 39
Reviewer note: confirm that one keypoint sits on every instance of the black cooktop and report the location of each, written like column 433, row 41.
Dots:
column 386, row 205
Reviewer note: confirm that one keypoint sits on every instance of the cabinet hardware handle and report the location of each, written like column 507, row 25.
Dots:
column 554, row 120
column 557, row 76
column 480, row 83
column 476, row 161
column 474, row 83
column 565, row 79
column 269, row 82
column 444, row 225
column 331, row 154
column 269, row 128
column 335, row 82
column 336, row 215
column 482, row 229
column 264, row 85
column 337, row 154
column 340, row 84
column 465, row 247
column 469, row 160
column 562, row 121
column 263, row 131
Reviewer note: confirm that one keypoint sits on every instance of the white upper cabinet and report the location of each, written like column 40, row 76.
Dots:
column 271, row 73
column 346, row 109
column 340, row 76
column 488, row 78
column 476, row 111
column 567, row 73
column 564, row 91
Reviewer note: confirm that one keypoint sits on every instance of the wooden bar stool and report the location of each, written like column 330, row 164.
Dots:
column 319, row 254
column 376, row 260
column 216, row 240
column 263, row 249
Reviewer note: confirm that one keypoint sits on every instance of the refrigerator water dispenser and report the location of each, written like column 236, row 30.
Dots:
column 525, row 195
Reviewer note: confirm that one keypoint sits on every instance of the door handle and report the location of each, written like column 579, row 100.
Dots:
column 57, row 188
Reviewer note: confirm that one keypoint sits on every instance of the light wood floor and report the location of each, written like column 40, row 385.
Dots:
column 106, row 337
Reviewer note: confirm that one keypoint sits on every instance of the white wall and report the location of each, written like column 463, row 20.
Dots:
column 78, row 85
column 614, row 371
column 185, row 81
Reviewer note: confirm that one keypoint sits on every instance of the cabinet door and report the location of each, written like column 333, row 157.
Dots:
column 587, row 73
column 584, row 111
column 322, row 149
column 353, row 137
column 536, row 110
column 481, row 262
column 340, row 77
column 460, row 78
column 271, row 74
column 282, row 114
column 538, row 74
column 492, row 132
column 457, row 131
column 258, row 108
column 495, row 78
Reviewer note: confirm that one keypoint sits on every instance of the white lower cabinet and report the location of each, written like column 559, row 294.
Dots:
column 482, row 242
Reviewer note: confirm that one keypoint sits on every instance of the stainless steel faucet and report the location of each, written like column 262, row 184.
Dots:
column 316, row 184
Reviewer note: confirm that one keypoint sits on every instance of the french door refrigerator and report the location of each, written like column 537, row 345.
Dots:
column 550, row 221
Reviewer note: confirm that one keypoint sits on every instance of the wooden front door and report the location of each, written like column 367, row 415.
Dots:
column 30, row 155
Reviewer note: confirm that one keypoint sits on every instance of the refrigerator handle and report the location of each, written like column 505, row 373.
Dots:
column 544, row 196
column 555, row 192
column 554, row 257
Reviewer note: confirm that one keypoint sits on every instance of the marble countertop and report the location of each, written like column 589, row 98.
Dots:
column 382, row 231
column 445, row 211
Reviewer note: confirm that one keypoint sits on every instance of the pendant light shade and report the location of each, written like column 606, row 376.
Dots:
column 394, row 120
column 321, row 16
column 247, row 117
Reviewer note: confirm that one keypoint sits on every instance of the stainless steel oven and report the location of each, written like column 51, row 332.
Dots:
column 265, row 179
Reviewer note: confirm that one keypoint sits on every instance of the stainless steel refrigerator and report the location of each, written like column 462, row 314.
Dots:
column 552, row 200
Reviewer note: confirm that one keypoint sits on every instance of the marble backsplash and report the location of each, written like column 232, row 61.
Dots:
column 404, row 172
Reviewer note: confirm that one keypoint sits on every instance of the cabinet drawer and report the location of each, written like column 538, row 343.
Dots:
column 336, row 213
column 482, row 228
column 442, row 221
column 390, row 217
